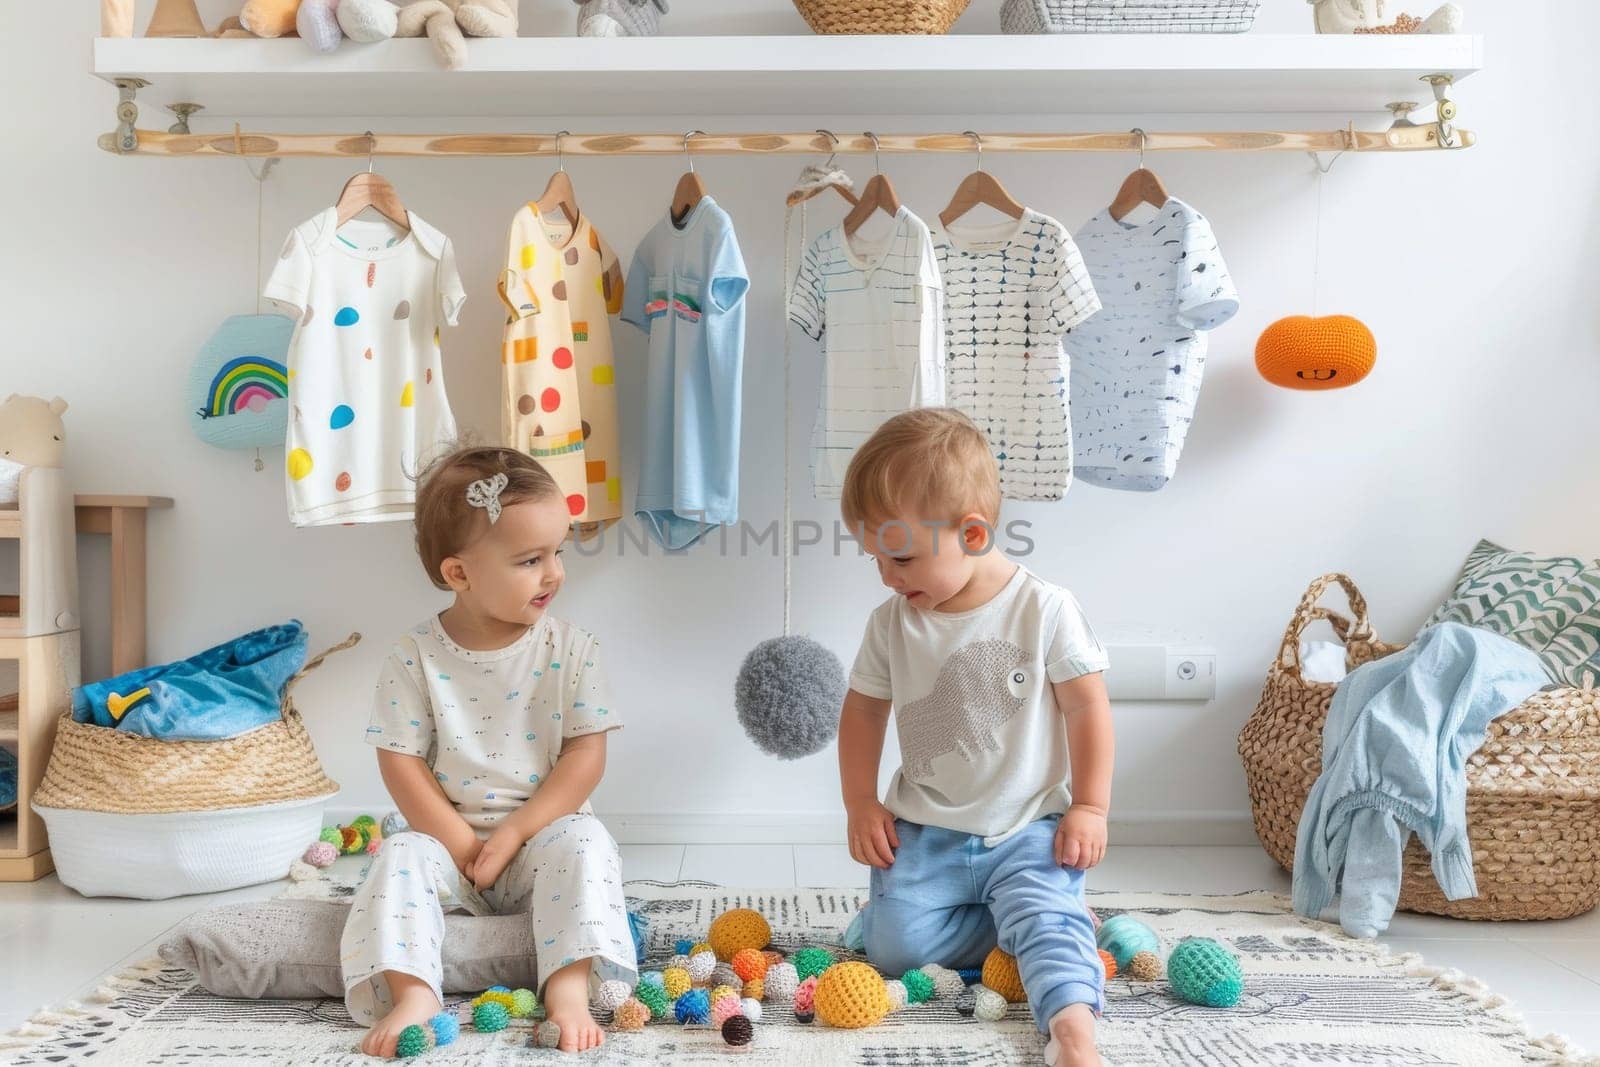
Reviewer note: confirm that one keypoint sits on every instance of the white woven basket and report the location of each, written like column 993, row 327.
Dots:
column 1128, row 16
column 170, row 854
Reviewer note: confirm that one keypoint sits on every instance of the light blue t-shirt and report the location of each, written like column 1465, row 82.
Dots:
column 686, row 290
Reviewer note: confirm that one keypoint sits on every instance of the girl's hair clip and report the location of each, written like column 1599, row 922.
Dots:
column 485, row 493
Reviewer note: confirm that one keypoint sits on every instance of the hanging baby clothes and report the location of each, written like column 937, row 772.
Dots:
column 877, row 306
column 1136, row 365
column 367, row 404
column 686, row 289
column 558, row 397
column 1010, row 291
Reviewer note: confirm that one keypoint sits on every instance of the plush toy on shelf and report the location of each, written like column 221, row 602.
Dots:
column 31, row 435
column 1372, row 16
column 449, row 22
column 620, row 18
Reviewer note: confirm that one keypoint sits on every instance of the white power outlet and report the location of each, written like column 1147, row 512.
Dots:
column 1148, row 664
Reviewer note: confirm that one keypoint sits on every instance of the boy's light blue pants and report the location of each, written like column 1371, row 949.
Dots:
column 947, row 899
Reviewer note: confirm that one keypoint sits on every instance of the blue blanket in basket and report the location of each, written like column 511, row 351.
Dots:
column 221, row 692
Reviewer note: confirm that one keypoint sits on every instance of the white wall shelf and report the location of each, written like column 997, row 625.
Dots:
column 569, row 77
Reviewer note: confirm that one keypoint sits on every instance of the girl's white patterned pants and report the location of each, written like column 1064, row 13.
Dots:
column 567, row 879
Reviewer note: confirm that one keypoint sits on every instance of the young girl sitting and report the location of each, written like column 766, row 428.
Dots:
column 490, row 722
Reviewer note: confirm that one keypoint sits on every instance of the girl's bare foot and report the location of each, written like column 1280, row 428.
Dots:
column 414, row 1002
column 566, row 1002
column 1072, row 1038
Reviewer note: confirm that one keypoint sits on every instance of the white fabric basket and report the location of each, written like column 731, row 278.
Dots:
column 1128, row 16
column 152, row 857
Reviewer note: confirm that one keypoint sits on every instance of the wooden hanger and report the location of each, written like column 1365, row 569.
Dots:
column 1140, row 187
column 691, row 190
column 558, row 191
column 879, row 195
column 798, row 197
column 979, row 187
column 367, row 189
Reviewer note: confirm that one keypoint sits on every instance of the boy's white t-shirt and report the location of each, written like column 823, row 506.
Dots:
column 490, row 724
column 983, row 745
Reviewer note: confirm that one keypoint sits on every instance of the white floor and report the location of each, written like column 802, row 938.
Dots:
column 55, row 944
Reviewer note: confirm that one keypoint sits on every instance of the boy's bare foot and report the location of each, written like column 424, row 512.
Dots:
column 414, row 1002
column 1072, row 1038
column 566, row 1002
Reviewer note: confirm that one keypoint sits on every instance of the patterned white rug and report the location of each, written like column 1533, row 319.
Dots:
column 1313, row 996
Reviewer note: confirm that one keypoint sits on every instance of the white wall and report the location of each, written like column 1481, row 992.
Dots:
column 1476, row 271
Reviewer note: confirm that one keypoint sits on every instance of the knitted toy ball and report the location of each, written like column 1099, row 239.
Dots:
column 547, row 1034
column 652, row 977
column 394, row 823
column 414, row 1041
column 1202, row 972
column 680, row 959
column 489, row 1018
column 332, row 836
column 699, row 947
column 788, row 696
column 895, row 990
column 736, row 930
column 632, row 1015
column 720, row 991
column 693, row 1007
column 446, row 1028
column 919, row 987
column 810, row 962
column 1000, row 974
column 498, row 995
column 365, row 822
column 701, row 964
column 946, row 983
column 676, row 982
column 723, row 1009
column 374, row 845
column 1125, row 937
column 655, row 998
column 988, row 1005
column 524, row 1003
column 755, row 989
column 751, row 1008
column 320, row 854
column 749, row 963
column 724, row 974
column 683, row 947
column 301, row 871
column 737, row 1030
column 1330, row 352
column 851, row 996
column 781, row 982
column 805, row 996
column 1109, row 962
column 967, row 1003
column 352, row 839
column 1145, row 967
column 774, row 957
column 611, row 994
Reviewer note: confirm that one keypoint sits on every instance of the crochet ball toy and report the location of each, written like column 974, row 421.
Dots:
column 1001, row 975
column 1203, row 972
column 724, row 1008
column 320, row 854
column 437, row 1032
column 774, row 957
column 703, row 946
column 805, row 997
column 632, row 1015
column 683, row 947
column 737, row 1030
column 653, row 977
column 676, row 982
column 523, row 1003
column 781, row 982
column 895, row 990
column 547, row 1034
column 393, row 823
column 751, row 1009
column 755, row 989
column 988, row 1005
column 490, row 1018
column 946, row 983
column 1331, row 352
column 693, row 1007
column 720, row 991
column 851, row 996
column 788, row 695
column 919, row 987
column 1134, row 946
column 611, row 994
column 701, row 964
column 653, row 997
column 749, row 964
column 736, row 930
column 1109, row 962
column 724, row 974
column 811, row 962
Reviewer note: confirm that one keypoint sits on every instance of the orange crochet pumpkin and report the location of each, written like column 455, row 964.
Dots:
column 1301, row 352
column 1001, row 975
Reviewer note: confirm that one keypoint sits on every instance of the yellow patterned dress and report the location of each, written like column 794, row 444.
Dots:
column 558, row 394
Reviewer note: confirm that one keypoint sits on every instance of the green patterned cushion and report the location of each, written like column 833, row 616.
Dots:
column 1548, row 604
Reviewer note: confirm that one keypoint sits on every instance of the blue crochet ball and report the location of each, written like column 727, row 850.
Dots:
column 1125, row 937
column 693, row 1007
column 1203, row 972
column 446, row 1028
column 788, row 696
column 683, row 947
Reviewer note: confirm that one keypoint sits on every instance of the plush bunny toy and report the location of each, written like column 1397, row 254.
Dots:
column 1367, row 16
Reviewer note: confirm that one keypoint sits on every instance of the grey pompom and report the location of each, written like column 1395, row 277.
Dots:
column 788, row 696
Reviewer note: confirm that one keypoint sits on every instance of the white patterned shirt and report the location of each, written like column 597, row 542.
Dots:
column 1011, row 290
column 877, row 307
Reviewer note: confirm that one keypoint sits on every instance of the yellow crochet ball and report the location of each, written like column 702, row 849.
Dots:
column 703, row 946
column 1000, row 974
column 851, row 995
column 495, row 996
column 756, row 989
column 675, row 980
column 721, row 991
column 738, row 929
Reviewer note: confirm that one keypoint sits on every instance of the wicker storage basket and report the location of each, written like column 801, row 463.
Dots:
column 205, row 815
column 1128, row 16
column 881, row 16
column 1533, row 789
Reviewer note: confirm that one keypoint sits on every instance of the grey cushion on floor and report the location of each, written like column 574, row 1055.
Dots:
column 290, row 948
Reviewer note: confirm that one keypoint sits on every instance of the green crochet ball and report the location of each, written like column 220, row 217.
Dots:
column 414, row 1041
column 1203, row 972
column 523, row 1003
column 919, row 987
column 490, row 1017
column 366, row 822
column 809, row 962
column 1125, row 937
column 655, row 998
column 332, row 836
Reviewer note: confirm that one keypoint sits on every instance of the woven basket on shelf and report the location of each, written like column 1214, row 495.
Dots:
column 93, row 768
column 881, row 16
column 1128, row 16
column 1533, row 789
